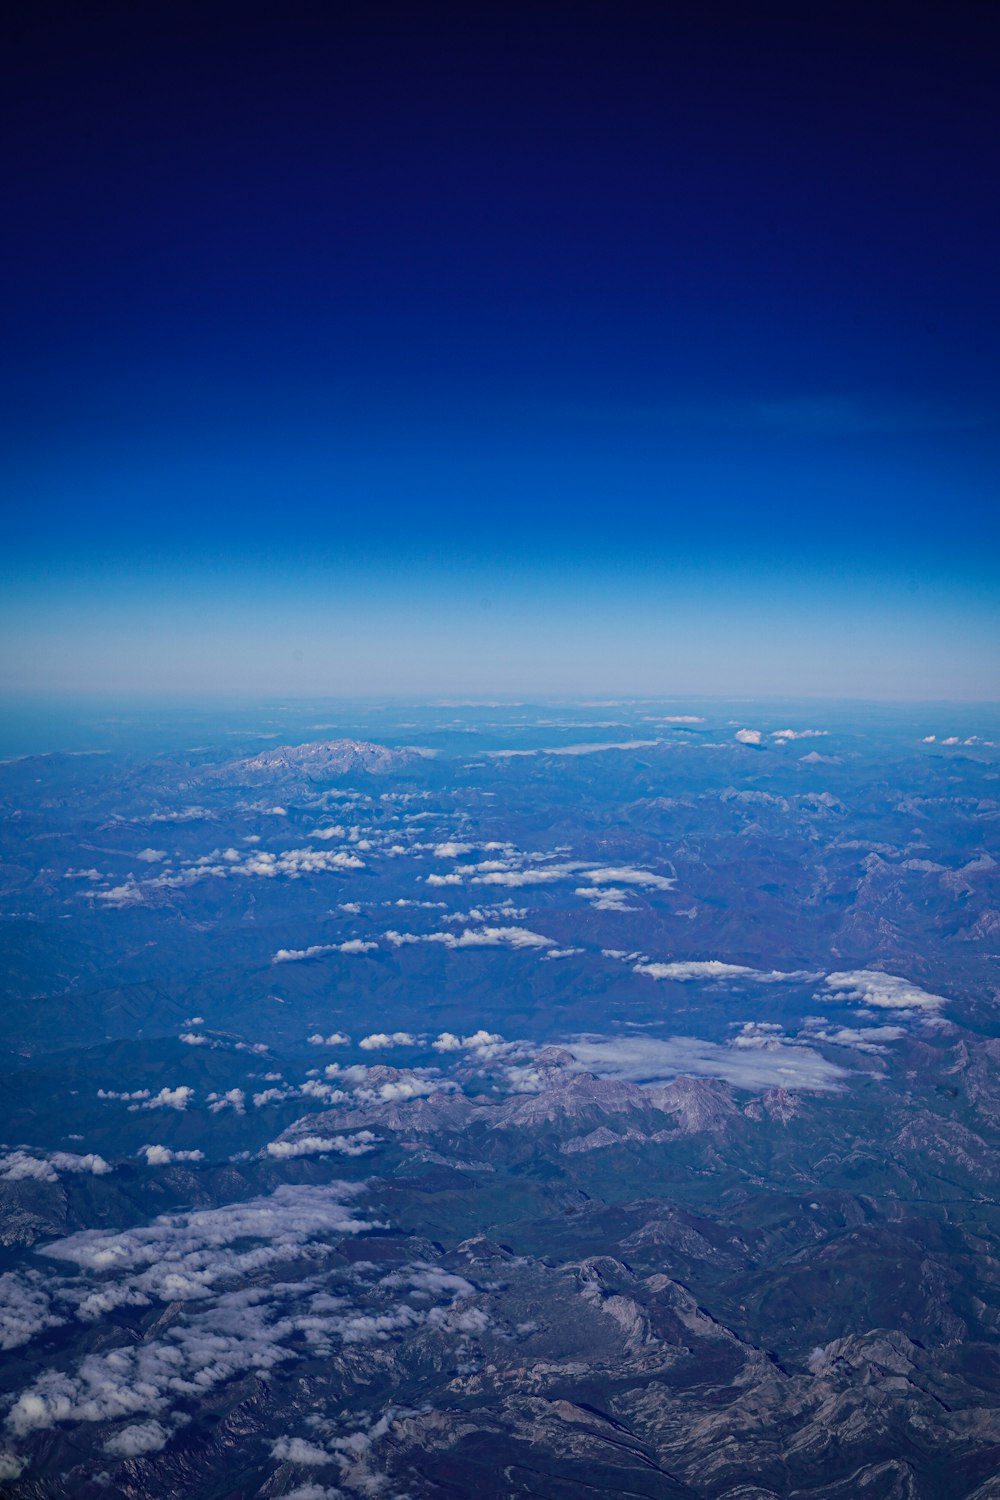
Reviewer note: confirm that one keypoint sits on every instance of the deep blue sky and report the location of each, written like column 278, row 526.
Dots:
column 544, row 347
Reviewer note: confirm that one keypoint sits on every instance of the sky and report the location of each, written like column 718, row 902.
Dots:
column 556, row 348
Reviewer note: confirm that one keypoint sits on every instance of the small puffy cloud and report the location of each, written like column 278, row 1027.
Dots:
column 478, row 1041
column 318, row 1145
column 319, row 950
column 606, row 898
column 139, row 1438
column 296, row 1450
column 233, row 1099
column 11, row 1466
column 408, row 1087
column 193, row 1039
column 151, row 856
column 884, row 991
column 181, row 815
column 861, row 1038
column 749, row 736
column 69, row 1161
column 797, row 734
column 379, row 1040
column 335, row 1039
column 162, row 1156
column 178, row 1098
column 451, row 850
column 335, row 831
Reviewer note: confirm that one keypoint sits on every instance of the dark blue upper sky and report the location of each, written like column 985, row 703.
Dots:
column 673, row 324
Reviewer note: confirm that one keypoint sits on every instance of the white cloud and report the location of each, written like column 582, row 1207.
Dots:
column 479, row 1041
column 296, row 1450
column 140, row 1437
column 452, row 850
column 481, row 937
column 21, row 1165
column 749, row 736
column 178, row 1098
column 315, row 1145
column 25, row 1308
column 606, row 898
column 885, row 991
column 335, row 1039
column 182, row 815
column 797, row 734
column 709, row 968
column 152, row 856
column 628, row 875
column 162, row 1156
column 193, row 1039
column 643, row 1059
column 317, row 950
column 379, row 1040
column 233, row 1099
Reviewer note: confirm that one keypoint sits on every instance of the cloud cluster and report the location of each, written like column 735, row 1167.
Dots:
column 749, row 736
column 380, row 1040
column 25, row 1308
column 228, row 1320
column 223, row 864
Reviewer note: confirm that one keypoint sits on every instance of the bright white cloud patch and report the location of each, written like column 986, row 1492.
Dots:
column 379, row 1040
column 685, row 970
column 884, row 991
column 749, row 736
column 163, row 1156
column 178, row 1098
column 22, row 1165
column 478, row 937
column 317, row 1145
